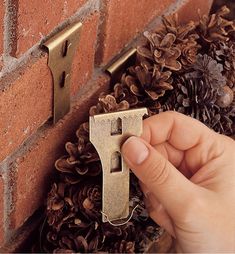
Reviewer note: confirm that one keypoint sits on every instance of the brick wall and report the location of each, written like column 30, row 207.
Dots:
column 29, row 143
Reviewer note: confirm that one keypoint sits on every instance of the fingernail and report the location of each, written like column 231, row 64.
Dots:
column 135, row 151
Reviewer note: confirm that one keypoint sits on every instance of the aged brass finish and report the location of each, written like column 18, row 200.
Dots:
column 61, row 49
column 116, row 68
column 107, row 133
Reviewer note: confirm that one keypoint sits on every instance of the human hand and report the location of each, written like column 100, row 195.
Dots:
column 187, row 173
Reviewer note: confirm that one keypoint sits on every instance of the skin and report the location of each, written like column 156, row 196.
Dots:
column 187, row 173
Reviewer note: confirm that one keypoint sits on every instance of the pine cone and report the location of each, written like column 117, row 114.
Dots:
column 161, row 51
column 87, row 200
column 122, row 91
column 215, row 27
column 209, row 70
column 123, row 247
column 56, row 205
column 72, row 242
column 185, row 38
column 224, row 53
column 189, row 50
column 182, row 32
column 153, row 83
column 81, row 160
column 108, row 103
column 73, row 213
column 217, row 4
column 197, row 99
column 82, row 133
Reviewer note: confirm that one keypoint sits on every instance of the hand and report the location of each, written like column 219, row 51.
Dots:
column 187, row 173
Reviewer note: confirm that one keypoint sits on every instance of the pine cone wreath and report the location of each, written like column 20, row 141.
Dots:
column 186, row 68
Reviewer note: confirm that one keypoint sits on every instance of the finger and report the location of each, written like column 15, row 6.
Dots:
column 168, row 185
column 174, row 156
column 181, row 131
column 199, row 143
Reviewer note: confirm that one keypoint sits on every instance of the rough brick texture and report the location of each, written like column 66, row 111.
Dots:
column 123, row 20
column 1, row 211
column 33, row 170
column 24, row 105
column 190, row 9
column 37, row 18
column 1, row 32
column 28, row 99
column 84, row 57
column 1, row 27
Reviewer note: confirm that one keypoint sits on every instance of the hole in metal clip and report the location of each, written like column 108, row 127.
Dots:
column 116, row 127
column 65, row 47
column 62, row 79
column 116, row 162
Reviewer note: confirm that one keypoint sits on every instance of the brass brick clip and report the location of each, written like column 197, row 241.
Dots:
column 107, row 133
column 61, row 49
column 123, row 62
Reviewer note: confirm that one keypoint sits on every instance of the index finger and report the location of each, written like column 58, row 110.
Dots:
column 181, row 131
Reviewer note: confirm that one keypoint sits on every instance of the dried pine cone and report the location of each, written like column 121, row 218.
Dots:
column 122, row 91
column 108, row 103
column 77, row 228
column 208, row 69
column 150, row 81
column 189, row 50
column 82, row 159
column 224, row 53
column 203, row 89
column 215, row 27
column 185, row 38
column 123, row 247
column 197, row 99
column 68, row 241
column 217, row 4
column 55, row 205
column 183, row 33
column 82, row 133
column 161, row 51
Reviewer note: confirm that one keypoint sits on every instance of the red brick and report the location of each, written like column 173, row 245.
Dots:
column 20, row 241
column 24, row 105
column 123, row 19
column 1, row 211
column 84, row 57
column 45, row 14
column 190, row 9
column 34, row 169
column 1, row 29
column 27, row 103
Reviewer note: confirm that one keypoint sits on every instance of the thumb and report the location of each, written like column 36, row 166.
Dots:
column 169, row 186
